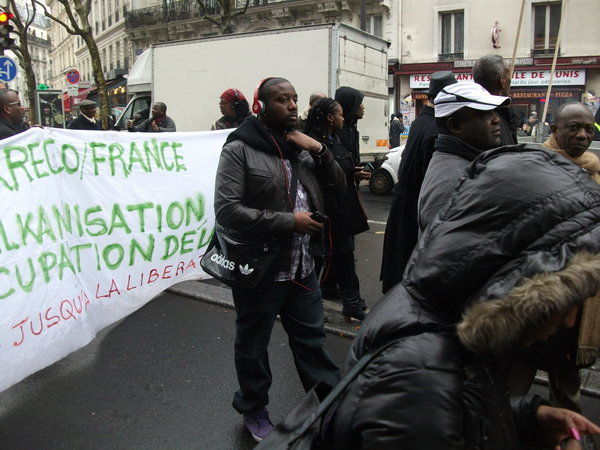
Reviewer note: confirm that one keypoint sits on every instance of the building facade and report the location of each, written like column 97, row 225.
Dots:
column 39, row 49
column 107, row 18
column 453, row 34
column 62, row 55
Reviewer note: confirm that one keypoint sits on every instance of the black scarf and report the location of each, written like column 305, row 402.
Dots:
column 449, row 144
column 254, row 133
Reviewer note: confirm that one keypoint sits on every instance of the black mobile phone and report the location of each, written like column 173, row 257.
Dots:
column 318, row 217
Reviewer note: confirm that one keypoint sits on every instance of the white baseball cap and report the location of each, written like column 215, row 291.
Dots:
column 466, row 94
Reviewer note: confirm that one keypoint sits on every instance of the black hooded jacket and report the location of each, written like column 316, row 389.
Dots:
column 518, row 242
column 350, row 99
column 251, row 189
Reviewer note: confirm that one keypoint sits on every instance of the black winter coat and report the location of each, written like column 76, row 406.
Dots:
column 350, row 99
column 83, row 123
column 519, row 212
column 345, row 211
column 8, row 129
column 402, row 229
column 508, row 126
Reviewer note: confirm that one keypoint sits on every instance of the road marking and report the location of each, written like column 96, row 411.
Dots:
column 377, row 222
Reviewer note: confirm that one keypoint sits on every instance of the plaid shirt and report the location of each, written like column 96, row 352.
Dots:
column 300, row 242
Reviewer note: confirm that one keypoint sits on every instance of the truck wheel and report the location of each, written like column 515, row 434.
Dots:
column 381, row 182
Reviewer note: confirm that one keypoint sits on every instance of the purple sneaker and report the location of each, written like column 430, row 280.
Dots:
column 258, row 424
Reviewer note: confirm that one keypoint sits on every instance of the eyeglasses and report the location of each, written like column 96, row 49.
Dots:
column 12, row 103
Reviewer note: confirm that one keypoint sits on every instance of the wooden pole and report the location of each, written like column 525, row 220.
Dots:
column 514, row 55
column 540, row 130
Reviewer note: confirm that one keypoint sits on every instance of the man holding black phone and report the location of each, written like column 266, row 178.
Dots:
column 269, row 185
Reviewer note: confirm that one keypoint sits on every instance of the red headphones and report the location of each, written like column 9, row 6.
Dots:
column 258, row 106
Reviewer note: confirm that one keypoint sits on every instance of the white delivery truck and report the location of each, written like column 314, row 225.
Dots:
column 189, row 76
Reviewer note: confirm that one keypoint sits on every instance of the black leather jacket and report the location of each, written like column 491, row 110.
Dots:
column 251, row 191
column 467, row 297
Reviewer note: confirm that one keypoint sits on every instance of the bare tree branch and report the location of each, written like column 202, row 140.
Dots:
column 243, row 11
column 205, row 15
column 31, row 18
column 56, row 19
column 74, row 23
column 17, row 51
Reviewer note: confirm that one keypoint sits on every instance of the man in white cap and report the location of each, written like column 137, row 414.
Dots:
column 468, row 125
column 86, row 120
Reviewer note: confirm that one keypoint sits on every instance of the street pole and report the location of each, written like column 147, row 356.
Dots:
column 539, row 135
column 514, row 55
column 363, row 18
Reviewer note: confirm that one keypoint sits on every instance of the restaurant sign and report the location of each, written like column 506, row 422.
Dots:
column 520, row 78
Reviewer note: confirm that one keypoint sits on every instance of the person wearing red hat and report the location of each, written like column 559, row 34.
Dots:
column 234, row 108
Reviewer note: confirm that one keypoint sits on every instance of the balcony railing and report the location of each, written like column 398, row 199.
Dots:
column 450, row 56
column 38, row 40
column 540, row 52
column 184, row 9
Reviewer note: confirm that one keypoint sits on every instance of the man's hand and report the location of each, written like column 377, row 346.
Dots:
column 303, row 224
column 154, row 126
column 129, row 123
column 558, row 424
column 362, row 174
column 303, row 141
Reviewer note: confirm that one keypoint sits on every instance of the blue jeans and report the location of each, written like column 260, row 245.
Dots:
column 301, row 314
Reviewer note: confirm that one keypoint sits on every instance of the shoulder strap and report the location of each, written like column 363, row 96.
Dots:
column 338, row 390
column 294, row 181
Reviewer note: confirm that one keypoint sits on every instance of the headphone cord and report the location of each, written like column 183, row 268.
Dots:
column 287, row 189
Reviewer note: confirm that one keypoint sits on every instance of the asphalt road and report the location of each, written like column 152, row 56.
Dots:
column 369, row 245
column 161, row 378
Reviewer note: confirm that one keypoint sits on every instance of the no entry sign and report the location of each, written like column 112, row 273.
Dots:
column 72, row 76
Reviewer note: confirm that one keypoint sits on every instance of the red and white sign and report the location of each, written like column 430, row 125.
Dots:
column 520, row 78
column 72, row 76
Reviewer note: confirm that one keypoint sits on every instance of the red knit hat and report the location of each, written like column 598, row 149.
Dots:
column 232, row 95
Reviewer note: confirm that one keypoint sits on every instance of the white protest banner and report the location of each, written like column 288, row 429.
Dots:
column 94, row 224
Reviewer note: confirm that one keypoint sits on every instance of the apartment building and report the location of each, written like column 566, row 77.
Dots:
column 107, row 18
column 152, row 21
column 452, row 35
column 39, row 50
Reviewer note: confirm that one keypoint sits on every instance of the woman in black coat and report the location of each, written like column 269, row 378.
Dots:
column 510, row 258
column 346, row 215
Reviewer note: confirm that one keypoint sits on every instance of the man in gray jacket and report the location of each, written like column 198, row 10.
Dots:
column 468, row 125
column 269, row 183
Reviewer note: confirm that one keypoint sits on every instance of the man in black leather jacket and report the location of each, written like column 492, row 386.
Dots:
column 269, row 182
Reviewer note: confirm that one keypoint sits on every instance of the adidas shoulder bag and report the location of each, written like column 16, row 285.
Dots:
column 240, row 264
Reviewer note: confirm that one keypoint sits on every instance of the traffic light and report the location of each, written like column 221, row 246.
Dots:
column 6, row 41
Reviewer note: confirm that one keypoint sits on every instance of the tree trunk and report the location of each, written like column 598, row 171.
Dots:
column 99, row 79
column 22, row 52
column 26, row 64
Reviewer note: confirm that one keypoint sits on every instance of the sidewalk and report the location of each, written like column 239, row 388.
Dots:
column 211, row 293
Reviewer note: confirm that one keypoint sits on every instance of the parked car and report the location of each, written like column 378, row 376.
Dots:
column 385, row 177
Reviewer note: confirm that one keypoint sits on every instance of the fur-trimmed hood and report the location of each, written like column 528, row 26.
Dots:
column 518, row 240
column 494, row 326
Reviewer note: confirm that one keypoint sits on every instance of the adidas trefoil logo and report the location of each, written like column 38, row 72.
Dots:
column 245, row 270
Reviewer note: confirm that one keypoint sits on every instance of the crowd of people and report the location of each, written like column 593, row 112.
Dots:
column 491, row 265
column 490, row 270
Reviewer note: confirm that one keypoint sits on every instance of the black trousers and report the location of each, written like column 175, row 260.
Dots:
column 301, row 312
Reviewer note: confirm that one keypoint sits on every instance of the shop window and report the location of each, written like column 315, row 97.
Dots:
column 452, row 34
column 375, row 25
column 546, row 21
